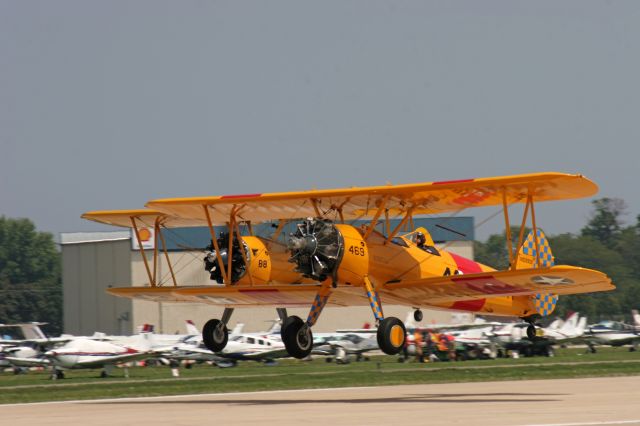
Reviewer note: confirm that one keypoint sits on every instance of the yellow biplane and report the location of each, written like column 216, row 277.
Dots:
column 327, row 261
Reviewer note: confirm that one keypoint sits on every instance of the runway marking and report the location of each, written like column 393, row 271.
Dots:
column 612, row 422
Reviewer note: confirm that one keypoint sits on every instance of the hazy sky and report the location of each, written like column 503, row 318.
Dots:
column 107, row 104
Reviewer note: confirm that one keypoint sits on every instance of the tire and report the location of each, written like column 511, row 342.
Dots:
column 391, row 335
column 417, row 315
column 215, row 335
column 297, row 337
column 531, row 332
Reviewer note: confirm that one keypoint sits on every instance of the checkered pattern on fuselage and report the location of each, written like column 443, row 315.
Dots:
column 545, row 303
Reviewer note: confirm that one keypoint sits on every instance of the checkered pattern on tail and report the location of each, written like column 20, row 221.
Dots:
column 529, row 249
column 543, row 303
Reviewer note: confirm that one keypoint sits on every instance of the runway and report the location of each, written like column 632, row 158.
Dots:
column 572, row 402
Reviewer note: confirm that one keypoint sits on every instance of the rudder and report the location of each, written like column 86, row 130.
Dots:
column 543, row 303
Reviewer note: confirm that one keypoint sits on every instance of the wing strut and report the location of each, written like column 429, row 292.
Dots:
column 401, row 224
column 214, row 240
column 505, row 209
column 152, row 281
column 374, row 220
column 528, row 206
column 166, row 255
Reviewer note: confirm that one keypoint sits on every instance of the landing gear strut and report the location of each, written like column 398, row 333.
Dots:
column 215, row 333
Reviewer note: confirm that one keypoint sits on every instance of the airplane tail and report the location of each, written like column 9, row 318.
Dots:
column 192, row 330
column 275, row 327
column 238, row 328
column 582, row 326
column 543, row 303
column 32, row 331
column 636, row 318
column 571, row 324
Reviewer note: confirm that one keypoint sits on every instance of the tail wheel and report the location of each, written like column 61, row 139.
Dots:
column 215, row 335
column 297, row 337
column 391, row 335
column 531, row 332
column 417, row 315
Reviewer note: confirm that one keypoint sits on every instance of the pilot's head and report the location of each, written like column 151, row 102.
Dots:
column 420, row 238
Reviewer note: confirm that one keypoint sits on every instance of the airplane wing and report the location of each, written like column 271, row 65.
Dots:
column 357, row 203
column 292, row 295
column 101, row 361
column 28, row 362
column 557, row 280
column 421, row 292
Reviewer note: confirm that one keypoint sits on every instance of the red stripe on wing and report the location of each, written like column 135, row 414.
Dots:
column 445, row 182
column 224, row 197
column 469, row 305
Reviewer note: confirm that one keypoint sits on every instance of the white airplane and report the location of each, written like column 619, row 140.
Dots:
column 86, row 353
column 614, row 333
column 261, row 346
column 344, row 344
column 571, row 330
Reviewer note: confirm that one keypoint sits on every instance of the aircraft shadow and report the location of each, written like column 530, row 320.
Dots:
column 454, row 398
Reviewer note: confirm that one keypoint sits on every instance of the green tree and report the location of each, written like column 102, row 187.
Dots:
column 605, row 224
column 494, row 251
column 30, row 275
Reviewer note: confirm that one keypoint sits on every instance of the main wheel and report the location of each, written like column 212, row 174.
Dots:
column 297, row 337
column 391, row 335
column 531, row 332
column 417, row 315
column 215, row 335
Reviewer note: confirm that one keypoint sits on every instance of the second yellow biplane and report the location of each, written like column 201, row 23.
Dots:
column 328, row 261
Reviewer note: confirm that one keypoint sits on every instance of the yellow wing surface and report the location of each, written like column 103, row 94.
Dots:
column 363, row 203
column 431, row 291
column 144, row 217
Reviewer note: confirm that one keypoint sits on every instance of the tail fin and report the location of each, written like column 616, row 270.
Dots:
column 582, row 325
column 147, row 328
column 32, row 331
column 527, row 255
column 544, row 303
column 237, row 329
column 636, row 318
column 570, row 324
column 192, row 330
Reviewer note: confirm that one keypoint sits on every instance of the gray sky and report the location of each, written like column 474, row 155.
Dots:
column 109, row 104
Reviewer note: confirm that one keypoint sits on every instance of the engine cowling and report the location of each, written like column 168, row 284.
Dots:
column 322, row 250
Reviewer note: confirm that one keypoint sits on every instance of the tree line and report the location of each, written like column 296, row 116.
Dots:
column 30, row 275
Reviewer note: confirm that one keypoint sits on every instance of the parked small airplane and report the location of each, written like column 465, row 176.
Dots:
column 241, row 347
column 86, row 353
column 614, row 333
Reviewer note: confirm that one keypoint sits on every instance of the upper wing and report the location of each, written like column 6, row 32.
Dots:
column 522, row 282
column 144, row 217
column 356, row 203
